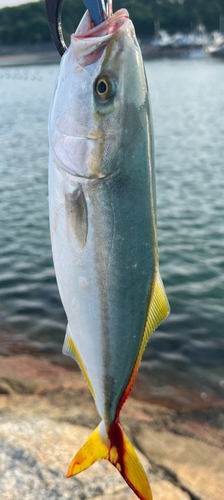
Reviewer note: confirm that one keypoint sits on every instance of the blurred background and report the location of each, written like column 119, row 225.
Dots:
column 183, row 45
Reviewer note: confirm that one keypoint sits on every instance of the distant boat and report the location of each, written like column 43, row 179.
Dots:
column 218, row 51
column 216, row 46
column 194, row 45
column 191, row 45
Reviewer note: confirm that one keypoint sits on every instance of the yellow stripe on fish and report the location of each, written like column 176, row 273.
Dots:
column 70, row 349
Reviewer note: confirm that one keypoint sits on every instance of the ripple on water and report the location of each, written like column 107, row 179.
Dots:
column 188, row 113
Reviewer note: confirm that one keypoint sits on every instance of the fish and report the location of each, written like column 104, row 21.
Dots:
column 102, row 206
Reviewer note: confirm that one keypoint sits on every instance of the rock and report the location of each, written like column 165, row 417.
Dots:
column 5, row 388
column 34, row 457
column 165, row 490
column 195, row 466
column 47, row 412
column 162, row 490
column 37, row 452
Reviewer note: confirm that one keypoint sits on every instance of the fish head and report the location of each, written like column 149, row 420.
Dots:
column 100, row 92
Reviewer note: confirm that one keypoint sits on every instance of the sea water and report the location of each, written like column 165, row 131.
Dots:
column 187, row 98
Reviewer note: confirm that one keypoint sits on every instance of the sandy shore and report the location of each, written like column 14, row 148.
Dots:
column 47, row 412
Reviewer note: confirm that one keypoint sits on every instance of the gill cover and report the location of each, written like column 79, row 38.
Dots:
column 114, row 446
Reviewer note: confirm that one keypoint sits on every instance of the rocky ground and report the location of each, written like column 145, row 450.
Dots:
column 47, row 412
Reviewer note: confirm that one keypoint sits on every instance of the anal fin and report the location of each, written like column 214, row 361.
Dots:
column 69, row 349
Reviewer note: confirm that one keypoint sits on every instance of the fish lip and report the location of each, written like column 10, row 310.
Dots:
column 96, row 31
column 89, row 43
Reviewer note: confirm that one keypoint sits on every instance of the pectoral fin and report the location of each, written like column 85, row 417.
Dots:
column 77, row 213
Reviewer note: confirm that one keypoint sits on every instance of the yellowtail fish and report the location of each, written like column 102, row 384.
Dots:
column 103, row 225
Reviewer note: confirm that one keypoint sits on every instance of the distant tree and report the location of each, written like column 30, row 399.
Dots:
column 72, row 12
column 28, row 23
column 24, row 24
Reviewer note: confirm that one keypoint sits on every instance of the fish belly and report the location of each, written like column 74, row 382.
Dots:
column 76, row 277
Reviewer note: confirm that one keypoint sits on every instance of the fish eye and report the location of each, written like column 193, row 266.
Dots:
column 104, row 88
column 101, row 87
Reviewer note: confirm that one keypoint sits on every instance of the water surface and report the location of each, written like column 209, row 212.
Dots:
column 188, row 109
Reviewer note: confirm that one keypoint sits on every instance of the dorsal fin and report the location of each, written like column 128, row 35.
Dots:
column 158, row 310
column 76, row 208
column 69, row 349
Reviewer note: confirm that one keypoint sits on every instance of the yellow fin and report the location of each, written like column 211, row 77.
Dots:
column 135, row 475
column 113, row 445
column 158, row 310
column 94, row 449
column 69, row 349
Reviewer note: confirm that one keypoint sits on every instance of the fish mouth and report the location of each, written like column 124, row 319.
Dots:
column 89, row 41
column 86, row 28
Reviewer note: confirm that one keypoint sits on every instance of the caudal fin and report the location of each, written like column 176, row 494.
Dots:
column 113, row 445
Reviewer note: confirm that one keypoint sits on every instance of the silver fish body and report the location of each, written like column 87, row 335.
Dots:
column 103, row 207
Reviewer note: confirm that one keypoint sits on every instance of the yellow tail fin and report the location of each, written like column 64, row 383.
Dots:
column 113, row 445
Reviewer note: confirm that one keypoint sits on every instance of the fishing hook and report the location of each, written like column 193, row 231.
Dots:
column 96, row 9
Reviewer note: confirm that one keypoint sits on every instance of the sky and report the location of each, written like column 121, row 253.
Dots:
column 12, row 3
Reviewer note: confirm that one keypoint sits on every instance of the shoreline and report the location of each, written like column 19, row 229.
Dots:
column 28, row 59
column 23, row 55
column 46, row 53
column 171, row 393
column 25, row 370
